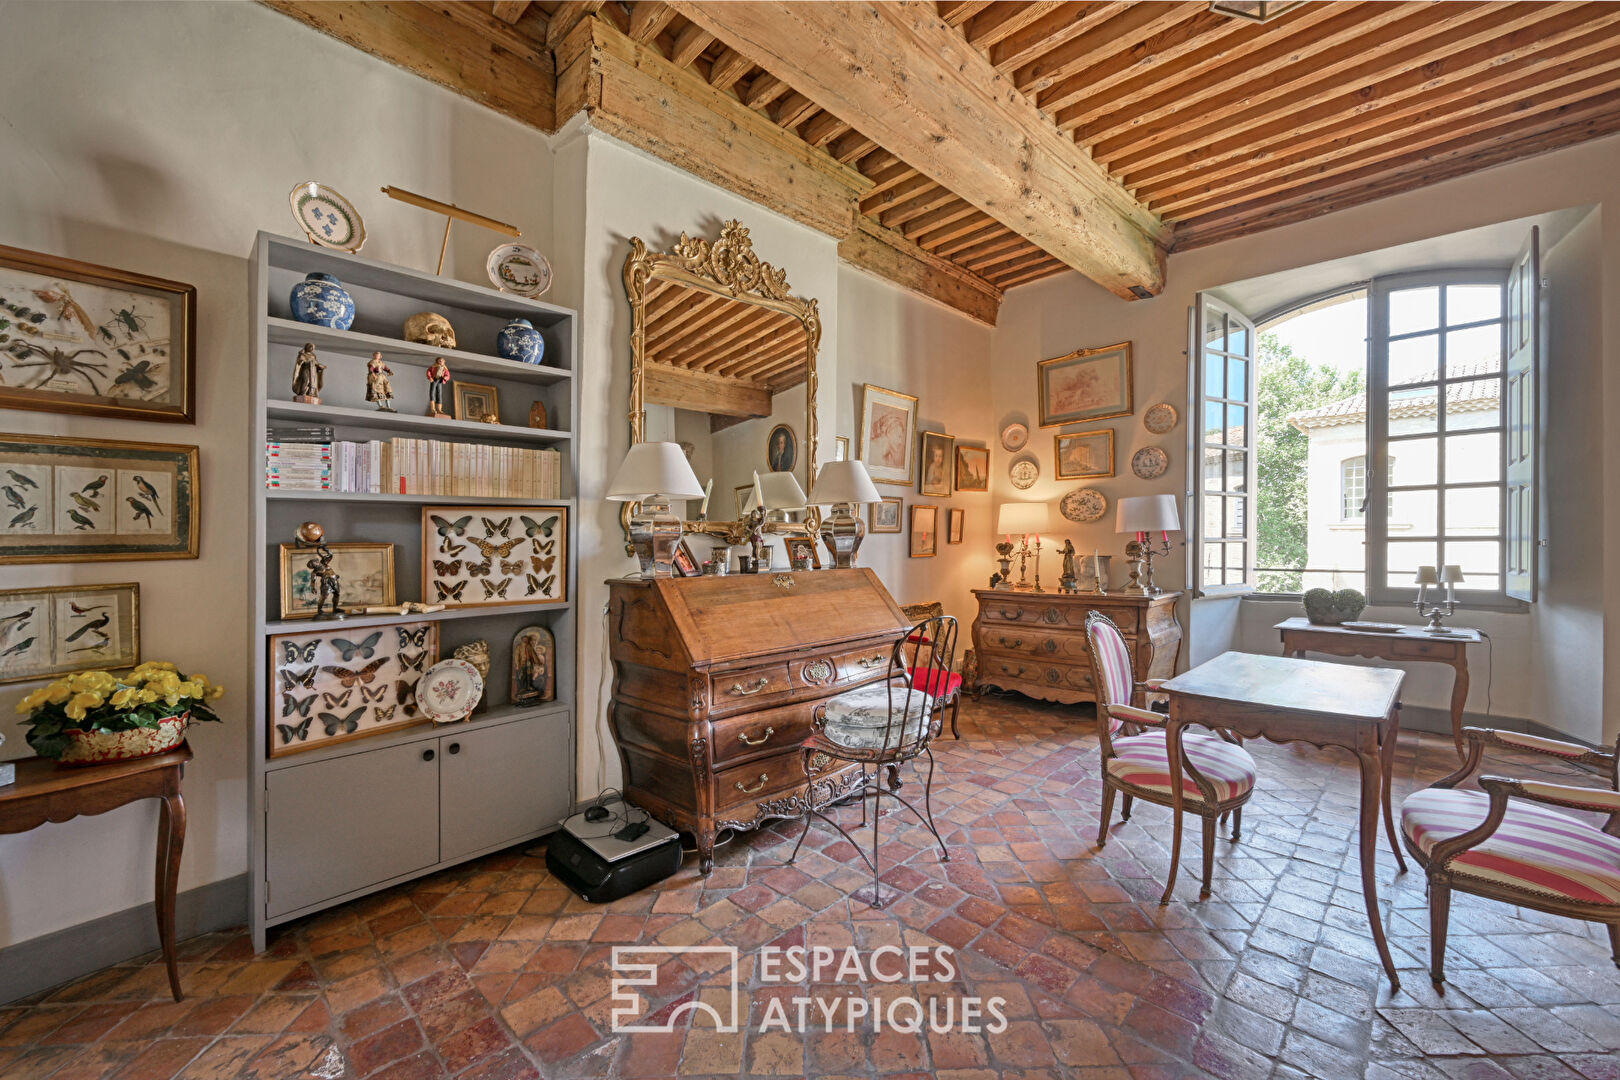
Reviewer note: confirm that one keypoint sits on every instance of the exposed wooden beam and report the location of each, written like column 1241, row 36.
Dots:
column 1000, row 245
column 730, row 66
column 851, row 147
column 1151, row 53
column 823, row 129
column 689, row 45
column 1137, row 23
column 879, row 251
column 509, row 11
column 1050, row 268
column 702, row 392
column 764, row 89
column 999, row 21
column 951, row 247
column 793, row 109
column 1065, row 23
column 935, row 239
column 499, row 68
column 913, row 184
column 957, row 12
column 917, row 207
column 648, row 19
column 569, row 14
column 926, row 95
column 952, row 212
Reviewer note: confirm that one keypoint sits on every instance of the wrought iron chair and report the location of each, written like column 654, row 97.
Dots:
column 1219, row 773
column 884, row 724
column 946, row 689
column 1507, row 844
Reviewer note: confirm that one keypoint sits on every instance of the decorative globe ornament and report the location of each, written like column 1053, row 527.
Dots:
column 520, row 341
column 311, row 532
column 320, row 299
column 1324, row 607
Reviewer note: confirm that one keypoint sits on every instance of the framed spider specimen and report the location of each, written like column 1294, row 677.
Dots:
column 81, row 338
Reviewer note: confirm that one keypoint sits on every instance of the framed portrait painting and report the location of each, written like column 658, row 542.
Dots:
column 781, row 449
column 1085, row 385
column 480, row 402
column 94, row 500
column 888, row 436
column 972, row 468
column 1084, row 454
column 52, row 631
column 924, row 531
column 81, row 338
column 934, row 477
column 886, row 514
column 365, row 569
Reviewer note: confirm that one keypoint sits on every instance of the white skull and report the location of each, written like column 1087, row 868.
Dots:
column 430, row 329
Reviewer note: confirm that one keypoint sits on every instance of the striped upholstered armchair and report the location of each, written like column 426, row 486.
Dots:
column 1510, row 841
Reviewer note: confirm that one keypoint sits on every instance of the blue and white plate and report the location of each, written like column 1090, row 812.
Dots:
column 327, row 217
column 518, row 269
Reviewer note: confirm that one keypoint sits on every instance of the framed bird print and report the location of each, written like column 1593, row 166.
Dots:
column 89, row 500
column 48, row 632
column 81, row 338
column 488, row 556
column 340, row 682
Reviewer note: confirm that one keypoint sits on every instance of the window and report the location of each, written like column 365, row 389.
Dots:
column 1222, row 530
column 1353, row 489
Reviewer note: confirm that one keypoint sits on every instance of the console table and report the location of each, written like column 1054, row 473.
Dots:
column 46, row 791
column 1300, row 636
column 1035, row 642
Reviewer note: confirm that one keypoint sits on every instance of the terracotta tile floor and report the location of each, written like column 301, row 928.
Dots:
column 494, row 971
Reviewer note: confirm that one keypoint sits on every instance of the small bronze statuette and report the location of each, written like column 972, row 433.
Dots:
column 309, row 375
column 379, row 383
column 328, row 586
column 1069, row 582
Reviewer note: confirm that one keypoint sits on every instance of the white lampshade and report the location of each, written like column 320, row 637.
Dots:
column 1426, row 576
column 843, row 482
column 1022, row 518
column 1451, row 574
column 1147, row 513
column 780, row 491
column 654, row 470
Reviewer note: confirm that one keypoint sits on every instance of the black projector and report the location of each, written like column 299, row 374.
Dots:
column 611, row 857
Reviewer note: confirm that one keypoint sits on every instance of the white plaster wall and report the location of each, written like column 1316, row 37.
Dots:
column 169, row 139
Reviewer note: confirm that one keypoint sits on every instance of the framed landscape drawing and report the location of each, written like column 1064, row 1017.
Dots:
column 937, row 453
column 81, row 338
column 90, row 500
column 972, row 468
column 339, row 683
column 486, row 556
column 886, row 514
column 888, row 435
column 1084, row 454
column 48, row 632
column 924, row 531
column 1085, row 385
column 365, row 571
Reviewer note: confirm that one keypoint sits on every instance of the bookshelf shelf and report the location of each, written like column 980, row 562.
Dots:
column 337, row 821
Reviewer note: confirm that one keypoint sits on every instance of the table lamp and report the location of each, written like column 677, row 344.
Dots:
column 1023, row 519
column 653, row 474
column 1450, row 576
column 1145, row 515
column 842, row 485
column 776, row 492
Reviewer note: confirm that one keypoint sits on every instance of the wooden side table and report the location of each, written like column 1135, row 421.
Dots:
column 1300, row 636
column 46, row 791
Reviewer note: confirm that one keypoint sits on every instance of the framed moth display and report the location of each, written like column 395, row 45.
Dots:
column 486, row 556
column 52, row 631
column 336, row 683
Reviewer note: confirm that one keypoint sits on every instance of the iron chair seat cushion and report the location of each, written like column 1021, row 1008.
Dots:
column 1143, row 762
column 859, row 719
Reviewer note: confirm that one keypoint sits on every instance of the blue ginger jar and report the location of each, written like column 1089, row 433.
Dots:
column 322, row 300
column 520, row 341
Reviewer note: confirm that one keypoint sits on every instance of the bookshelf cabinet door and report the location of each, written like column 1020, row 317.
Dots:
column 339, row 825
column 502, row 784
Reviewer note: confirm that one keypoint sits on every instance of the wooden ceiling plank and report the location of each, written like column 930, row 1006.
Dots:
column 1473, row 75
column 1066, row 22
column 949, row 214
column 704, row 354
column 689, row 45
column 717, row 325
column 951, row 247
column 996, row 246
column 756, row 324
column 1034, row 273
column 892, row 195
column 885, row 254
column 770, row 356
column 726, row 359
column 648, row 19
column 888, row 176
column 683, row 389
column 688, row 312
column 1429, row 168
column 730, row 66
column 1012, row 266
column 988, row 265
column 927, row 96
column 1137, row 23
column 1155, row 53
column 568, row 15
column 616, row 12
column 742, row 356
column 763, row 90
column 1002, row 20
column 850, row 147
column 822, row 130
column 917, row 207
column 793, row 109
column 934, row 239
column 957, row 12
column 508, row 11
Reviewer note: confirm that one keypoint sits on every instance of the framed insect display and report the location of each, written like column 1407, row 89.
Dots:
column 81, row 338
column 91, row 500
column 336, row 683
column 48, row 632
column 366, row 570
column 487, row 556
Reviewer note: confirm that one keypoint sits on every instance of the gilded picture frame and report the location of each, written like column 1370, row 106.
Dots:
column 1083, row 455
column 887, row 515
column 335, row 683
column 955, row 518
column 474, row 401
column 365, row 571
column 972, row 468
column 60, row 629
column 924, row 531
column 1085, row 385
column 494, row 556
column 936, row 464
column 888, row 435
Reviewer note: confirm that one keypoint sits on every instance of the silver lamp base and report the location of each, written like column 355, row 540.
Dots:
column 655, row 533
column 842, row 533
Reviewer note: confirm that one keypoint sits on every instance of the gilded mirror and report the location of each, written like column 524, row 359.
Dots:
column 723, row 361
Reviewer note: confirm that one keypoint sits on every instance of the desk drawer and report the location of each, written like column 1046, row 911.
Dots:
column 1068, row 614
column 748, row 783
column 1402, row 648
column 756, row 734
column 749, row 689
column 1037, row 642
column 993, row 669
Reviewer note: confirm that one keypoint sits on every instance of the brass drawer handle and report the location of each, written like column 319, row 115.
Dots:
column 742, row 737
column 1016, row 644
column 871, row 661
column 1012, row 616
column 758, row 786
column 752, row 688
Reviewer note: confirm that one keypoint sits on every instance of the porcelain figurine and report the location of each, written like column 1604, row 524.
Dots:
column 309, row 376
column 379, row 383
column 426, row 328
column 438, row 379
column 520, row 341
column 321, row 299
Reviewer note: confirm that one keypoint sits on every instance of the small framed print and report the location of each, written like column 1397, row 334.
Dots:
column 953, row 524
column 885, row 515
column 489, row 556
column 1084, row 455
column 888, row 435
column 93, row 500
column 743, row 491
column 335, row 683
column 365, row 571
column 53, row 631
column 938, row 451
column 972, row 468
column 685, row 564
column 81, row 338
column 1085, row 385
column 801, row 552
column 479, row 402
column 924, row 531
column 840, row 447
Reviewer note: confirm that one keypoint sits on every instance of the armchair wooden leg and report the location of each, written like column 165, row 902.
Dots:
column 1237, row 824
column 1125, row 808
column 1107, row 813
column 1209, row 855
column 956, row 707
column 1439, row 917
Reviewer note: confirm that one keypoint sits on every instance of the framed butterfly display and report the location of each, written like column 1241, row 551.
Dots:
column 487, row 556
column 338, row 683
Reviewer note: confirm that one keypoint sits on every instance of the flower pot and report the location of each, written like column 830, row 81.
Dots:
column 321, row 299
column 520, row 341
column 98, row 747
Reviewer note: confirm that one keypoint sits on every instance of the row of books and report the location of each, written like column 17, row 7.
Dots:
column 412, row 467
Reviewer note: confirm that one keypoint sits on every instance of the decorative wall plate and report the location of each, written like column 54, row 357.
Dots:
column 327, row 217
column 1014, row 436
column 1150, row 462
column 1024, row 474
column 448, row 691
column 1160, row 418
column 518, row 269
column 1084, row 505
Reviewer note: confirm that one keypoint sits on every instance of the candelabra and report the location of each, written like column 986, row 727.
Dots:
column 1142, row 552
column 1450, row 576
column 1023, row 559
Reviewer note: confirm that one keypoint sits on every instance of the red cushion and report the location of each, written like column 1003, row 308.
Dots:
column 918, row 639
column 936, row 683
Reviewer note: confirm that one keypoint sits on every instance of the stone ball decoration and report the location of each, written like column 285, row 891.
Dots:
column 427, row 328
column 1324, row 607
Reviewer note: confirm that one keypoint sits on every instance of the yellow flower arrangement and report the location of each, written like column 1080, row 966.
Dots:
column 142, row 697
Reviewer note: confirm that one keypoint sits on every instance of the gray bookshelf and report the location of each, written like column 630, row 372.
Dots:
column 339, row 821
